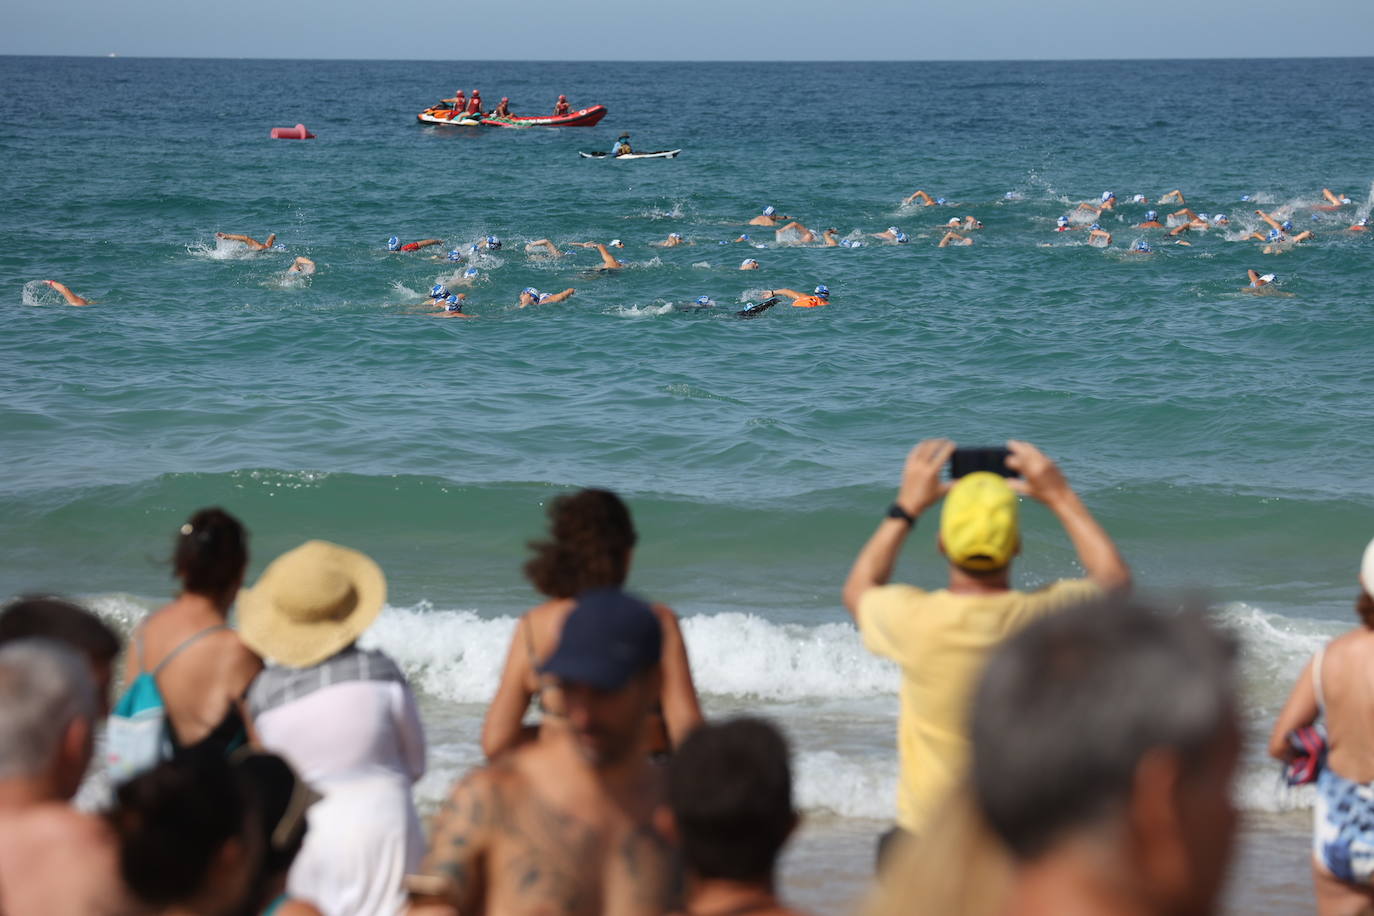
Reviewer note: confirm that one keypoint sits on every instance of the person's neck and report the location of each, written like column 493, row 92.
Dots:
column 720, row 896
column 962, row 582
column 22, row 792
column 1078, row 881
column 196, row 603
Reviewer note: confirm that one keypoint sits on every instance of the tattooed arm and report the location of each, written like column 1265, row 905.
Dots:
column 454, row 870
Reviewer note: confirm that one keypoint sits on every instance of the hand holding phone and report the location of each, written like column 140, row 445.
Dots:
column 968, row 460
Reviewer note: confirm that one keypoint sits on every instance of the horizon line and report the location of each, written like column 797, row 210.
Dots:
column 114, row 55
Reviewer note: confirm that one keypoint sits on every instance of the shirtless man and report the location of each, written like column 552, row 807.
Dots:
column 53, row 859
column 502, row 110
column 562, row 107
column 954, row 239
column 563, row 826
column 769, row 217
column 252, row 243
column 1151, row 221
column 673, row 240
column 1098, row 237
column 394, row 244
column 71, row 297
column 894, row 235
column 531, row 296
column 608, row 261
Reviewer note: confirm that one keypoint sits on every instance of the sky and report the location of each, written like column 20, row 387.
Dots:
column 663, row 30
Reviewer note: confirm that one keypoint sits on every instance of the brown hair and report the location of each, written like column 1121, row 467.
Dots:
column 591, row 535
column 1364, row 606
column 211, row 553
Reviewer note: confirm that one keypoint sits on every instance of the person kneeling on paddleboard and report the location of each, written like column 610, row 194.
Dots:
column 801, row 300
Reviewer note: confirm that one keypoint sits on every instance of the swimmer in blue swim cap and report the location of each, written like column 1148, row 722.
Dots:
column 455, row 255
column 1360, row 225
column 1061, row 224
column 1141, row 247
column 891, row 234
column 819, row 297
column 492, row 243
column 252, row 243
column 531, row 296
column 438, row 291
column 703, row 301
column 1151, row 221
column 769, row 217
column 452, row 307
column 749, row 264
column 1336, row 200
column 608, row 260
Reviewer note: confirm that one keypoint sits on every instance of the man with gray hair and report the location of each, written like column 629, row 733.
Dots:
column 1105, row 742
column 53, row 858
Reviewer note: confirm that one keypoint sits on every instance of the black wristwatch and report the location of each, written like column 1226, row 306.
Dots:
column 896, row 511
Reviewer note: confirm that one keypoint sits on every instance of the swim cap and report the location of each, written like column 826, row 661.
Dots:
column 846, row 243
column 675, row 235
column 393, row 244
column 1275, row 235
column 704, row 300
column 744, row 237
column 438, row 291
column 1245, row 197
column 1286, row 225
column 1362, row 221
column 1064, row 220
column 901, row 238
column 505, row 98
column 1221, row 218
column 769, row 210
column 823, row 291
column 530, row 291
column 1107, row 195
column 453, row 305
column 279, row 247
column 1267, row 278
column 1010, row 195
column 940, row 200
column 493, row 243
column 1151, row 216
column 1094, row 226
column 893, row 229
column 953, row 221
column 1344, row 199
column 1141, row 245
column 470, row 272
column 748, row 262
column 455, row 255
column 1138, row 199
column 617, row 243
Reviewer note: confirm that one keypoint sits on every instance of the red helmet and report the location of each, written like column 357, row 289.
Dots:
column 562, row 98
column 476, row 92
column 505, row 98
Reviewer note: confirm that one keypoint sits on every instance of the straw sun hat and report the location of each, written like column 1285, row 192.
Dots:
column 310, row 603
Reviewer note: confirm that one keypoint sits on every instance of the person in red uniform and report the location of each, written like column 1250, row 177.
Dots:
column 562, row 107
column 459, row 102
column 475, row 103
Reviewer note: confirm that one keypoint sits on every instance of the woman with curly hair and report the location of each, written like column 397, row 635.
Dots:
column 591, row 541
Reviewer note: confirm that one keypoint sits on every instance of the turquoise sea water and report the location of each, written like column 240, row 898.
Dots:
column 1223, row 438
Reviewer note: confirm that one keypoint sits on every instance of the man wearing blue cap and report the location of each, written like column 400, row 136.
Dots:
column 564, row 825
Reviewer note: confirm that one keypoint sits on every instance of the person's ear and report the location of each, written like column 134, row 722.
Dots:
column 1155, row 827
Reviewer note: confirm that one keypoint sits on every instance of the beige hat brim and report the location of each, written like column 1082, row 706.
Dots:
column 275, row 635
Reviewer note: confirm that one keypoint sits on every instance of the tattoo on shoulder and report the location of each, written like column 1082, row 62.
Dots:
column 653, row 867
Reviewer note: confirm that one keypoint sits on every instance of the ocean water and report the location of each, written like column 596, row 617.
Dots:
column 1223, row 438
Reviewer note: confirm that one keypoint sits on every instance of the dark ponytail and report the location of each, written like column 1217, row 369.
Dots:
column 591, row 538
column 211, row 553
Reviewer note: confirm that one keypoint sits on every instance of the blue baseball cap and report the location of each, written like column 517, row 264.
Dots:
column 393, row 244
column 823, row 291
column 607, row 639
column 455, row 255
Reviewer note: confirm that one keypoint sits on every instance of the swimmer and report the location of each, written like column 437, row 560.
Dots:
column 561, row 107
column 1108, row 200
column 452, row 306
column 1279, row 241
column 71, row 297
column 622, row 146
column 531, row 296
column 673, row 240
column 1151, row 221
column 925, row 199
column 491, row 243
column 805, row 235
column 543, row 247
column 953, row 239
column 970, row 224
column 303, row 266
column 1337, row 200
column 502, row 110
column 831, row 238
column 1258, row 281
column 608, row 261
column 1221, row 219
column 252, row 243
column 818, row 298
column 769, row 217
column 1098, row 237
column 394, row 244
column 1173, row 197
column 1140, row 247
column 1285, row 226
column 893, row 234
column 1061, row 224
column 468, row 277
column 1360, row 225
column 1139, row 199
column 749, row 264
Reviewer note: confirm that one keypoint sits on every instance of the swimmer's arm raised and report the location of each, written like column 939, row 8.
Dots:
column 1269, row 219
column 920, row 489
column 71, row 297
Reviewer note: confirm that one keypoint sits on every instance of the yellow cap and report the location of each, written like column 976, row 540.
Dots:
column 978, row 524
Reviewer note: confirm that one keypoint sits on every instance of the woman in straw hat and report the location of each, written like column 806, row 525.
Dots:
column 592, row 539
column 345, row 718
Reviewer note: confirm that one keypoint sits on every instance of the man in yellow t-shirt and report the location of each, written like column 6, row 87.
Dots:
column 940, row 639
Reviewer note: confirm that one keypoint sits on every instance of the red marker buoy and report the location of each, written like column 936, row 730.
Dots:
column 292, row 133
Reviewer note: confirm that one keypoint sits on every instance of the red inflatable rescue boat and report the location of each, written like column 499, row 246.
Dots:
column 583, row 117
